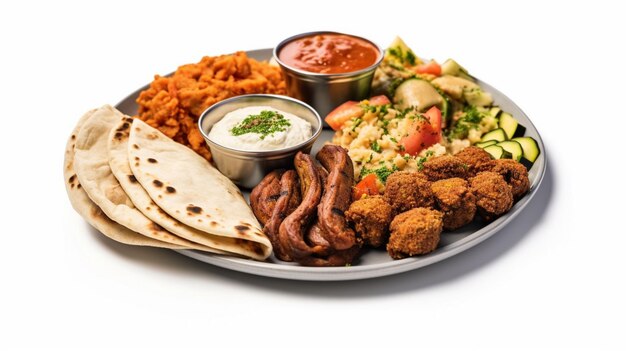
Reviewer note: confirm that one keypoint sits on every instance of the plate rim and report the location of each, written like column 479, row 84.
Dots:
column 358, row 272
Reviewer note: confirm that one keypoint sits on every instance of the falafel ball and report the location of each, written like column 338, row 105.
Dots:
column 370, row 217
column 476, row 159
column 415, row 232
column 493, row 195
column 455, row 200
column 408, row 190
column 444, row 167
column 515, row 174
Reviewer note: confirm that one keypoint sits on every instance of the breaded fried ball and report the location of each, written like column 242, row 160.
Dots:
column 370, row 217
column 455, row 200
column 476, row 159
column 444, row 167
column 515, row 174
column 408, row 190
column 493, row 195
column 415, row 232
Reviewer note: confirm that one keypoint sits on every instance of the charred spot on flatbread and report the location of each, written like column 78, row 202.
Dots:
column 132, row 178
column 157, row 183
column 170, row 189
column 71, row 180
column 73, row 137
column 213, row 223
column 156, row 227
column 194, row 209
column 136, row 146
column 119, row 135
column 123, row 127
column 151, row 160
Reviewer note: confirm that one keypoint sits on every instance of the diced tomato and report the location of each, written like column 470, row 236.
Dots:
column 367, row 186
column 425, row 132
column 343, row 113
column 431, row 67
column 379, row 100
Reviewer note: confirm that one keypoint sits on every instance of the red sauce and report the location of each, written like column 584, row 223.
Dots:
column 329, row 53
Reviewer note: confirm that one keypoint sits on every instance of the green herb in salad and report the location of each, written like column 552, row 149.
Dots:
column 420, row 161
column 265, row 123
column 374, row 145
column 470, row 119
column 382, row 172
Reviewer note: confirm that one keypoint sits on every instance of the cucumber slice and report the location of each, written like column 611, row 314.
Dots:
column 484, row 144
column 452, row 68
column 417, row 93
column 512, row 147
column 495, row 112
column 497, row 134
column 497, row 152
column 511, row 126
column 530, row 148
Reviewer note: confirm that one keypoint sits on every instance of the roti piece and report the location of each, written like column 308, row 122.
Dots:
column 89, row 210
column 91, row 164
column 190, row 189
column 118, row 161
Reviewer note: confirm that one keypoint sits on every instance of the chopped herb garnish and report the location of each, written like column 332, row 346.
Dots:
column 470, row 119
column 265, row 123
column 356, row 123
column 374, row 145
column 421, row 160
column 393, row 139
column 382, row 173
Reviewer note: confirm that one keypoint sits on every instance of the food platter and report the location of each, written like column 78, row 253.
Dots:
column 376, row 263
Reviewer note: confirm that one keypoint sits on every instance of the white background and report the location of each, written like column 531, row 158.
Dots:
column 552, row 279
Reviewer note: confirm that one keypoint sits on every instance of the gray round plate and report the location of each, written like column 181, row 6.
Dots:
column 376, row 263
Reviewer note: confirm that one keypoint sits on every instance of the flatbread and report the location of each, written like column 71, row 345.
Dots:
column 190, row 189
column 88, row 209
column 91, row 164
column 118, row 161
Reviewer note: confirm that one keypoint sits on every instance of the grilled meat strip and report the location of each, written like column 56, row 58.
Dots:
column 264, row 196
column 337, row 197
column 292, row 229
column 287, row 202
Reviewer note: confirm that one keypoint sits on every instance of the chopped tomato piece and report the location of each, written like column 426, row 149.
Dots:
column 431, row 67
column 367, row 186
column 425, row 132
column 379, row 100
column 343, row 113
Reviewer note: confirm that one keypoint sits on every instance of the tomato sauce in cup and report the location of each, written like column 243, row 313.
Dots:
column 329, row 53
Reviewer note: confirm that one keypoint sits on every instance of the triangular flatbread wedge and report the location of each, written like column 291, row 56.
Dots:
column 118, row 161
column 190, row 189
column 89, row 210
column 91, row 164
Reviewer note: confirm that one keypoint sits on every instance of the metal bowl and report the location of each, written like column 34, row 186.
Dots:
column 326, row 91
column 247, row 168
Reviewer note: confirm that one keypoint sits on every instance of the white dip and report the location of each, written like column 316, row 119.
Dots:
column 250, row 139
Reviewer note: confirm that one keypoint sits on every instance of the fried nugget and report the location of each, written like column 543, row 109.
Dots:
column 515, row 174
column 455, row 200
column 444, row 167
column 493, row 195
column 414, row 232
column 370, row 217
column 476, row 159
column 408, row 190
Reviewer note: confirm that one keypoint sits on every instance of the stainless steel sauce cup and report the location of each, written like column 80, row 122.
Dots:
column 326, row 91
column 247, row 168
